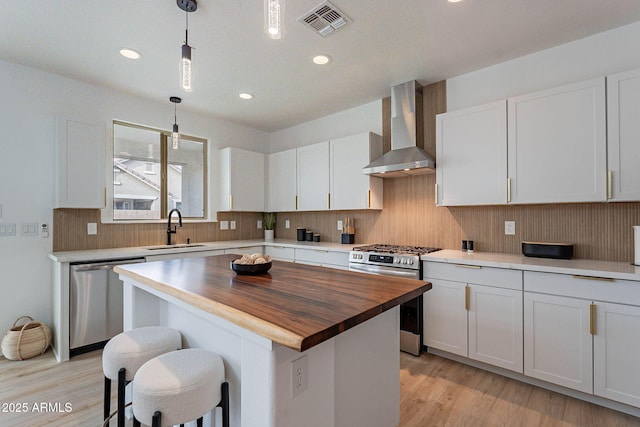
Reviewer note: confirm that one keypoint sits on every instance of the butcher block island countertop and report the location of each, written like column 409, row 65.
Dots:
column 295, row 305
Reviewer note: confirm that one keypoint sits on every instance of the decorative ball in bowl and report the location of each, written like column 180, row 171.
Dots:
column 252, row 264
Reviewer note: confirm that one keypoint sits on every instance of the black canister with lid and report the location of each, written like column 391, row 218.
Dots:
column 301, row 234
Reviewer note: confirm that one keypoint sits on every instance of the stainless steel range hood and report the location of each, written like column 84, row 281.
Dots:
column 406, row 157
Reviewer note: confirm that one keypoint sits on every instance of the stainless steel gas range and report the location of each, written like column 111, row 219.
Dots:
column 398, row 261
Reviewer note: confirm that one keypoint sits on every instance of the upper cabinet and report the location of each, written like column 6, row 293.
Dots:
column 242, row 180
column 282, row 184
column 313, row 177
column 326, row 176
column 350, row 188
column 471, row 156
column 80, row 169
column 623, row 127
column 557, row 145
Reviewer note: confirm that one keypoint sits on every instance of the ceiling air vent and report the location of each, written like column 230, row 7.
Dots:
column 325, row 18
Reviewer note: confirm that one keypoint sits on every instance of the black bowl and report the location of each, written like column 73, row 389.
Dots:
column 251, row 268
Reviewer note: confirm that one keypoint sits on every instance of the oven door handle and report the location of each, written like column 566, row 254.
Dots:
column 385, row 271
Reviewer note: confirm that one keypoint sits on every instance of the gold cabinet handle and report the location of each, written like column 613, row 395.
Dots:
column 369, row 198
column 508, row 190
column 609, row 184
column 230, row 202
column 602, row 279
column 105, row 197
column 592, row 319
column 468, row 266
column 296, row 202
column 436, row 194
column 328, row 200
column 467, row 298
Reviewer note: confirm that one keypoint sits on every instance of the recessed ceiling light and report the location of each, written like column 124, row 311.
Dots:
column 130, row 53
column 454, row 1
column 321, row 59
column 245, row 95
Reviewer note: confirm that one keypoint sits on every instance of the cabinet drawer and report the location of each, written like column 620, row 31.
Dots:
column 585, row 287
column 280, row 252
column 244, row 250
column 498, row 277
column 322, row 256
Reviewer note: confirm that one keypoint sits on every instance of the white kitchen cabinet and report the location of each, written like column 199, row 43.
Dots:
column 245, row 250
column 616, row 351
column 281, row 253
column 475, row 314
column 322, row 257
column 241, row 180
column 282, row 184
column 557, row 340
column 80, row 166
column 623, row 142
column 350, row 188
column 178, row 254
column 557, row 144
column 472, row 156
column 313, row 177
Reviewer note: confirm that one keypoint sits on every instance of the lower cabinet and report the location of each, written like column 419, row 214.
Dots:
column 322, row 257
column 473, row 319
column 586, row 337
column 176, row 255
column 280, row 253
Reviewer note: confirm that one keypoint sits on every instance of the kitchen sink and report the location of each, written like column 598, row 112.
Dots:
column 180, row 246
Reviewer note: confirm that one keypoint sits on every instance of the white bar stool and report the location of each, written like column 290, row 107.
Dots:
column 178, row 387
column 125, row 353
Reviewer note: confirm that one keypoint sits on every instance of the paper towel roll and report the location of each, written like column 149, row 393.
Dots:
column 636, row 239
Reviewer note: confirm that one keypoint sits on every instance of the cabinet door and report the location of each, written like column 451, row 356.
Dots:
column 616, row 352
column 313, row 177
column 472, row 156
column 80, row 164
column 557, row 144
column 282, row 181
column 495, row 327
column 350, row 188
column 557, row 341
column 242, row 180
column 623, row 127
column 445, row 317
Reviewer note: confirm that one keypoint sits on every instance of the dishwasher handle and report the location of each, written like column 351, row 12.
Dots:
column 105, row 265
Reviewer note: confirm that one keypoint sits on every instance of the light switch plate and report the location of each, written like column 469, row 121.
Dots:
column 510, row 228
column 287, row 223
column 233, row 225
column 29, row 229
column 224, row 225
column 339, row 225
column 259, row 223
column 92, row 228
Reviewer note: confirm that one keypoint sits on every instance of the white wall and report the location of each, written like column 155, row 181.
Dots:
column 605, row 53
column 365, row 118
column 31, row 101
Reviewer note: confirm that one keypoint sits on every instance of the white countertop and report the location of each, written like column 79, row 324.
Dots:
column 143, row 251
column 583, row 267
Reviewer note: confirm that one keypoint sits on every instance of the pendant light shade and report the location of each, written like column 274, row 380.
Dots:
column 274, row 18
column 186, row 73
column 175, row 135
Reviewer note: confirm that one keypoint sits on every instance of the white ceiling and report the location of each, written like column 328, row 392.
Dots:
column 388, row 42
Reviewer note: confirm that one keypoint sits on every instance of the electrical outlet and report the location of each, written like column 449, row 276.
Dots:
column 233, row 225
column 287, row 223
column 29, row 229
column 224, row 225
column 92, row 228
column 339, row 225
column 259, row 223
column 299, row 378
column 509, row 228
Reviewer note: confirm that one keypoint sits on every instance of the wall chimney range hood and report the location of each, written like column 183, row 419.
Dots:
column 406, row 157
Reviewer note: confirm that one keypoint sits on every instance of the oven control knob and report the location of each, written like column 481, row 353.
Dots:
column 396, row 260
column 411, row 262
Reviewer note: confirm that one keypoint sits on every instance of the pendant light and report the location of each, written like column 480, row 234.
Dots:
column 186, row 76
column 175, row 136
column 274, row 18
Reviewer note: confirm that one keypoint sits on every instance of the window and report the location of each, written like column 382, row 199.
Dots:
column 150, row 178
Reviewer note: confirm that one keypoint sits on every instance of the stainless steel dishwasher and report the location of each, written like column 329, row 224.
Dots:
column 95, row 304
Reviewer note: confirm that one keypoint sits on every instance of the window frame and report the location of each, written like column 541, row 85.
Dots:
column 165, row 138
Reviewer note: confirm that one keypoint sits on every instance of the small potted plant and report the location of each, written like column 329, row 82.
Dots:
column 269, row 222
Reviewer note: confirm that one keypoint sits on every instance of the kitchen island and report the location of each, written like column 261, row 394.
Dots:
column 302, row 345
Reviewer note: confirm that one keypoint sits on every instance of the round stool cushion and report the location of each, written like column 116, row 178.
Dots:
column 131, row 349
column 183, row 385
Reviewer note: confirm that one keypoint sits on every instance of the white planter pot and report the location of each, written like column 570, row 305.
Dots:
column 268, row 234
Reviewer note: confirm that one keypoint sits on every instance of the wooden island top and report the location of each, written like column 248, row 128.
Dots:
column 296, row 305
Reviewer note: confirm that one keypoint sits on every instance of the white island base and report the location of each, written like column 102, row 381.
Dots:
column 351, row 379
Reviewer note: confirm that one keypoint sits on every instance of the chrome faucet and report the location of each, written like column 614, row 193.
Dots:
column 175, row 229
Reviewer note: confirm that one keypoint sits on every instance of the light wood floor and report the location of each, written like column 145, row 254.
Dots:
column 433, row 392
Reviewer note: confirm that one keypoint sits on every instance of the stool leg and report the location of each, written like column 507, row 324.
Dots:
column 199, row 422
column 121, row 385
column 107, row 398
column 136, row 423
column 156, row 419
column 225, row 404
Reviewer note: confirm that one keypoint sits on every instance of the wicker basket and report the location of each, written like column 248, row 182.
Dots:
column 27, row 340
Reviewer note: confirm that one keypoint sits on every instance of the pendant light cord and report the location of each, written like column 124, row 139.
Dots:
column 186, row 31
